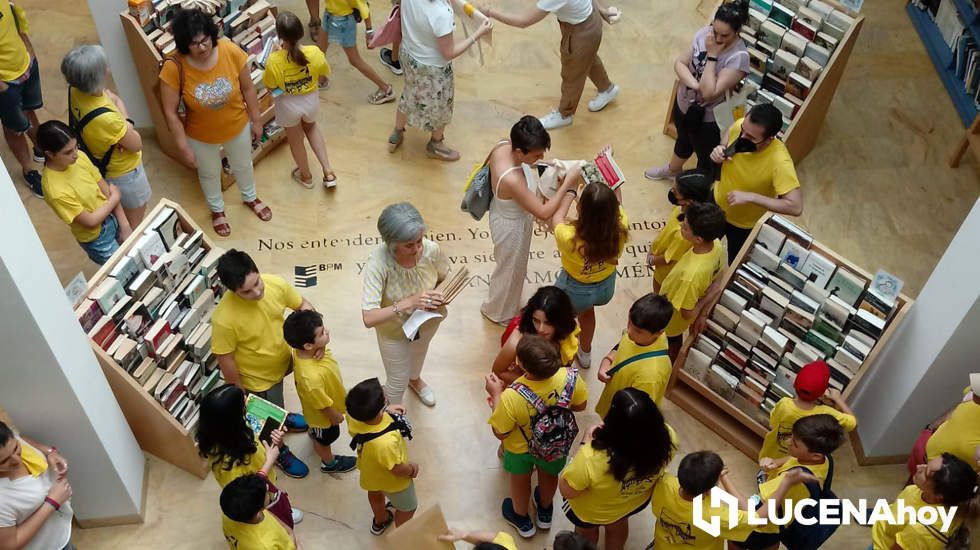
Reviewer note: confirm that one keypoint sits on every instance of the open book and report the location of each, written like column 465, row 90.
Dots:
column 263, row 417
column 604, row 170
column 450, row 287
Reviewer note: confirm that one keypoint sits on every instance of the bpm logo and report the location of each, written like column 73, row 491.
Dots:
column 305, row 276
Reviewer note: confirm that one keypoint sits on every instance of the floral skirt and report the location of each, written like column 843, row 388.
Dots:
column 427, row 97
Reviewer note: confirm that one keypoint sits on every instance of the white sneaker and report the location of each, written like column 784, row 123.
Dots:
column 297, row 515
column 602, row 99
column 554, row 120
column 584, row 358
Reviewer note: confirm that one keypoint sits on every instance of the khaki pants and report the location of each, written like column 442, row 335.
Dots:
column 580, row 60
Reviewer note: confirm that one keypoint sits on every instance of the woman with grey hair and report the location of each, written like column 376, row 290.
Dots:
column 105, row 132
column 399, row 278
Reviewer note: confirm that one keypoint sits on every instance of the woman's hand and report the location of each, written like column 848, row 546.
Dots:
column 767, row 464
column 718, row 154
column 186, row 155
column 60, row 491
column 57, row 463
column 485, row 27
column 711, row 47
column 493, row 384
column 453, row 535
column 427, row 300
column 256, row 130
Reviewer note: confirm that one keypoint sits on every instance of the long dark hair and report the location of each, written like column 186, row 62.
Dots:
column 557, row 308
column 734, row 13
column 632, row 412
column 187, row 24
column 598, row 226
column 222, row 434
column 290, row 30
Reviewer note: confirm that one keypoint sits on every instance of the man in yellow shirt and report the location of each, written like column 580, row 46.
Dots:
column 248, row 341
column 755, row 182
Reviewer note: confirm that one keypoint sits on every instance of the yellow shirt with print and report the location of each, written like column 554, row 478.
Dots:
column 14, row 57
column 959, row 435
column 770, row 173
column 782, row 418
column 797, row 492
column 319, row 385
column 377, row 457
column 670, row 244
column 104, row 131
column 885, row 535
column 505, row 540
column 688, row 281
column 291, row 77
column 74, row 190
column 224, row 475
column 513, row 414
column 675, row 528
column 340, row 8
column 574, row 262
column 647, row 375
column 252, row 330
column 267, row 534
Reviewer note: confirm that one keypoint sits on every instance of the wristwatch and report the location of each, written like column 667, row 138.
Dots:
column 712, row 58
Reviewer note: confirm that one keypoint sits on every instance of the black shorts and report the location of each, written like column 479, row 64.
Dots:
column 699, row 140
column 577, row 521
column 324, row 436
column 759, row 541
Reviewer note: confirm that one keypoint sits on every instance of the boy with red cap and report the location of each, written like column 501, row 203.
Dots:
column 811, row 387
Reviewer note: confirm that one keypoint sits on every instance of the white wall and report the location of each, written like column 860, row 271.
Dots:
column 113, row 39
column 925, row 367
column 50, row 382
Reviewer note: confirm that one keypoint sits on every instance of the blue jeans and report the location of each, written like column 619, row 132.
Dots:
column 587, row 295
column 340, row 29
column 101, row 249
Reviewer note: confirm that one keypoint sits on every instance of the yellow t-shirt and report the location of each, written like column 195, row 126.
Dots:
column 770, row 173
column 319, row 385
column 675, row 528
column 687, row 283
column 574, row 262
column 797, row 492
column 782, row 418
column 252, row 330
column 377, row 457
column 268, row 534
column 340, row 8
column 104, row 131
column 291, row 77
column 670, row 244
column 919, row 536
column 74, row 190
column 215, row 105
column 959, row 435
column 648, row 375
column 513, row 414
column 33, row 459
column 255, row 462
column 14, row 57
column 568, row 347
column 505, row 540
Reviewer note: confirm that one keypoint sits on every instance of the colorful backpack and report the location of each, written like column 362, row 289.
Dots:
column 553, row 430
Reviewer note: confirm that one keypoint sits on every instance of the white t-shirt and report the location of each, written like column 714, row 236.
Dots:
column 424, row 21
column 20, row 498
column 572, row 12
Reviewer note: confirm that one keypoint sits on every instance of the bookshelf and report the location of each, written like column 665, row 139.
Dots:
column 730, row 412
column 801, row 134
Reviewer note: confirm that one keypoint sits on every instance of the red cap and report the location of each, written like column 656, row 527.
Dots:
column 812, row 381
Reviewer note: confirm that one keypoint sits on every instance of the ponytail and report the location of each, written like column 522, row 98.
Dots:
column 734, row 13
column 290, row 30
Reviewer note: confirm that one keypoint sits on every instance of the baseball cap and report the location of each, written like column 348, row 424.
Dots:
column 812, row 380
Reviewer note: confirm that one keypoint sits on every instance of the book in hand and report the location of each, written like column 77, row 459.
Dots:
column 263, row 417
column 603, row 169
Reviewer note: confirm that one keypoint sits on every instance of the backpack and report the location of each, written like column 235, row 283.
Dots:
column 399, row 422
column 797, row 536
column 554, row 428
column 78, row 125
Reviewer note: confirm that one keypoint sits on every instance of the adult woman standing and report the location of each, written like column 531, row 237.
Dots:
column 35, row 513
column 716, row 61
column 399, row 278
column 110, row 138
column 212, row 77
column 428, row 48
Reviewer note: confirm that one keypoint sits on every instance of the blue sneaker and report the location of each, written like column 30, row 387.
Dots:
column 523, row 524
column 296, row 423
column 341, row 464
column 290, row 465
column 543, row 518
column 33, row 180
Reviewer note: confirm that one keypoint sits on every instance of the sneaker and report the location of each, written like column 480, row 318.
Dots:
column 394, row 65
column 33, row 179
column 584, row 358
column 659, row 172
column 376, row 529
column 554, row 120
column 296, row 423
column 602, row 99
column 290, row 465
column 38, row 156
column 543, row 518
column 297, row 515
column 341, row 464
column 523, row 524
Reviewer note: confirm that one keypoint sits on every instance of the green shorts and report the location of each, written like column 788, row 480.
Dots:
column 404, row 500
column 523, row 463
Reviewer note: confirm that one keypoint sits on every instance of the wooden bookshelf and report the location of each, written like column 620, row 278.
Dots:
column 733, row 417
column 970, row 140
column 801, row 135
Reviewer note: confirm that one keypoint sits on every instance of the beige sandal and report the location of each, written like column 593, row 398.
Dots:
column 330, row 181
column 220, row 224
column 261, row 210
column 299, row 179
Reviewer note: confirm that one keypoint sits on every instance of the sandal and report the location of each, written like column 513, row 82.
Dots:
column 437, row 150
column 382, row 96
column 261, row 210
column 395, row 139
column 220, row 224
column 330, row 181
column 298, row 179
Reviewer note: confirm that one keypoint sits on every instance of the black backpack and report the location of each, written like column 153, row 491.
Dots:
column 797, row 536
column 399, row 422
column 78, row 125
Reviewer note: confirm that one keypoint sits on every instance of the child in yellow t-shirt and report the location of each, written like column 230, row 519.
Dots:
column 297, row 71
column 340, row 27
column 319, row 385
column 687, row 284
column 382, row 456
column 669, row 246
column 512, row 420
column 245, row 522
column 812, row 385
column 639, row 360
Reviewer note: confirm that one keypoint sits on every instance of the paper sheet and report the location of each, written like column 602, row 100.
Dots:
column 420, row 533
column 411, row 325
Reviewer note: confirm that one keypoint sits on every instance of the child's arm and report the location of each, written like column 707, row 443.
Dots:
column 769, row 463
column 789, row 479
column 332, row 414
column 606, row 364
column 580, row 407
column 505, row 357
column 835, row 398
column 406, row 469
column 727, row 485
column 566, row 490
column 95, row 218
column 473, row 537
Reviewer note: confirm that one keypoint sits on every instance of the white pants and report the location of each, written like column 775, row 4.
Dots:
column 403, row 359
column 239, row 153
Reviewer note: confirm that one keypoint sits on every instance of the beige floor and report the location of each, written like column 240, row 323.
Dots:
column 876, row 187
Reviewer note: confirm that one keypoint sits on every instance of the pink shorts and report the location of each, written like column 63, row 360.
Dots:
column 293, row 109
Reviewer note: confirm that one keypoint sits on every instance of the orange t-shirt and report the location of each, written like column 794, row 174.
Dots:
column 215, row 106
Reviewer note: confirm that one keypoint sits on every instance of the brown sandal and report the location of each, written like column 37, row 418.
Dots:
column 261, row 210
column 220, row 224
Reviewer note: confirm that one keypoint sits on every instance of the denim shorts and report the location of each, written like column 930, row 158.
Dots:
column 587, row 295
column 20, row 97
column 134, row 188
column 340, row 29
column 404, row 500
column 101, row 249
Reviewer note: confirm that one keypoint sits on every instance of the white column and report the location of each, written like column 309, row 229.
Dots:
column 50, row 382
column 926, row 364
column 113, row 39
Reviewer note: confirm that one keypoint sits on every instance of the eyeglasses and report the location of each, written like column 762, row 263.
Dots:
column 202, row 43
